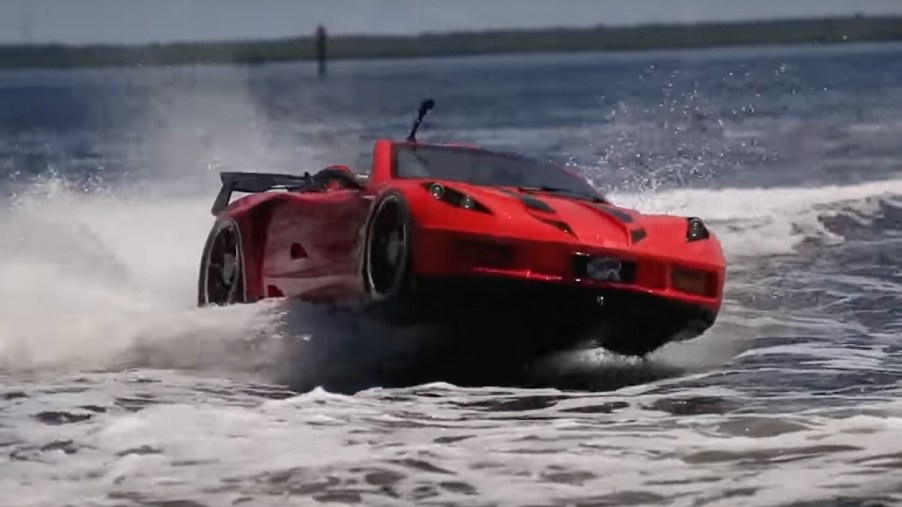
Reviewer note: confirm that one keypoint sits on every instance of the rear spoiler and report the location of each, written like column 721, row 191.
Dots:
column 253, row 183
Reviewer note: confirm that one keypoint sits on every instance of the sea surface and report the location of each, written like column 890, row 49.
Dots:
column 116, row 391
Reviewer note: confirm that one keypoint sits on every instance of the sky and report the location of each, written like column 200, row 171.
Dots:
column 141, row 21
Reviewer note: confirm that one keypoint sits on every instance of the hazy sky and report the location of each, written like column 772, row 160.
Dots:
column 135, row 21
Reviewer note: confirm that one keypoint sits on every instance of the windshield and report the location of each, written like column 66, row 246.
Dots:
column 485, row 168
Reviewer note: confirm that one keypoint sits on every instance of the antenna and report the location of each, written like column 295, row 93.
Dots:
column 425, row 107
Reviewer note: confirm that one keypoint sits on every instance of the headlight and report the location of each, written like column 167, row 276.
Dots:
column 453, row 197
column 696, row 230
column 437, row 191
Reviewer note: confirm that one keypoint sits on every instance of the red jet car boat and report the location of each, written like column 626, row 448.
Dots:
column 503, row 248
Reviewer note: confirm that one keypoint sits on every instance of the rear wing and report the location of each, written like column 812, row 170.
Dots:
column 253, row 183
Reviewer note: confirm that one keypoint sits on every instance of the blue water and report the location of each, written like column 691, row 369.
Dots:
column 116, row 390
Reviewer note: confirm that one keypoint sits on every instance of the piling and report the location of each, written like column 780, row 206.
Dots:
column 321, row 57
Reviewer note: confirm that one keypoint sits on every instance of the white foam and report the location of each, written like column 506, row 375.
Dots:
column 86, row 277
column 213, row 453
column 765, row 221
column 89, row 278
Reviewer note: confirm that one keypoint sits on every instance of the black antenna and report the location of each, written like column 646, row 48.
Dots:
column 425, row 106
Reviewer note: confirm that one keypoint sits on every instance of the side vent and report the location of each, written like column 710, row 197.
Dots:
column 637, row 235
column 297, row 251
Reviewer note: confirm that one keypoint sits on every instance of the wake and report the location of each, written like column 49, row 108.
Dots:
column 107, row 279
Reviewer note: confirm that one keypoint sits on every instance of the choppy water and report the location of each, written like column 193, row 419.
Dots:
column 114, row 390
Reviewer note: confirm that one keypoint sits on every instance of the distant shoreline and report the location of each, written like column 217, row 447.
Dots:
column 523, row 41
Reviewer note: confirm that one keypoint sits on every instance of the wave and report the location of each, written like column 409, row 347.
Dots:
column 753, row 222
column 696, row 442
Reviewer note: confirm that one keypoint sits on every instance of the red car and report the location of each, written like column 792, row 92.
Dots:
column 509, row 251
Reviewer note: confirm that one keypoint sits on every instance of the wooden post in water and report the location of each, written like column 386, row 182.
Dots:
column 321, row 37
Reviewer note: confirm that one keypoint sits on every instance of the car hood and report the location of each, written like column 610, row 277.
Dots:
column 557, row 217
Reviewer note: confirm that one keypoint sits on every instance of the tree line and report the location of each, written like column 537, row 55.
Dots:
column 600, row 38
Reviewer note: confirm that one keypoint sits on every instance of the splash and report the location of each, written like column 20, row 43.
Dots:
column 105, row 277
column 87, row 278
column 95, row 279
column 768, row 221
column 90, row 277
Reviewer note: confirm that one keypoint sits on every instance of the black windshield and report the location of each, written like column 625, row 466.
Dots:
column 485, row 168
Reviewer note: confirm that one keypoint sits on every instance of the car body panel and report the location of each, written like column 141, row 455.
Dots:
column 310, row 244
column 313, row 241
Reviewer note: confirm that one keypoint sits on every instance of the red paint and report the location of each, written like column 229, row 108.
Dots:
column 310, row 245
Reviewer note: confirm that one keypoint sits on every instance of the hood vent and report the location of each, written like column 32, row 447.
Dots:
column 539, row 205
column 559, row 224
column 536, row 204
column 531, row 202
column 616, row 213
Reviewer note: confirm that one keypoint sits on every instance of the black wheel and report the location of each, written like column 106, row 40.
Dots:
column 387, row 252
column 221, row 280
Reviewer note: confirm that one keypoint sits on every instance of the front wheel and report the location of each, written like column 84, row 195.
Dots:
column 387, row 253
column 222, row 274
column 387, row 258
